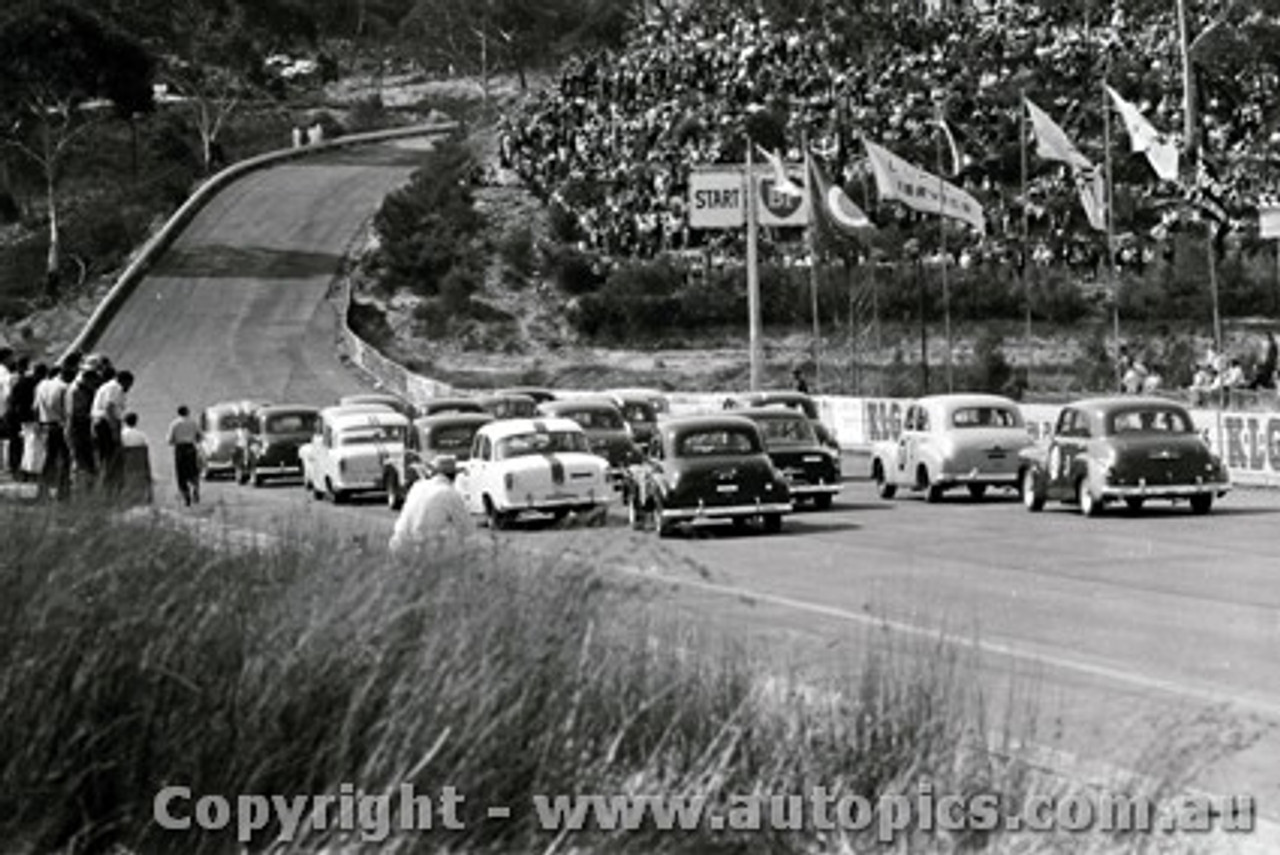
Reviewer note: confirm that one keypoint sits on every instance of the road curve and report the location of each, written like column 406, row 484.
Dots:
column 236, row 307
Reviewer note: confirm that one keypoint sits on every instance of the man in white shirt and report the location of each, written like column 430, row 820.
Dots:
column 434, row 517
column 51, row 420
column 7, row 428
column 107, row 412
column 184, row 436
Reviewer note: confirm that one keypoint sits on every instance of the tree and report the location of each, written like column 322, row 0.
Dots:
column 55, row 59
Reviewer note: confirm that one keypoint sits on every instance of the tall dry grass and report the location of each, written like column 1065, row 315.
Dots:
column 132, row 657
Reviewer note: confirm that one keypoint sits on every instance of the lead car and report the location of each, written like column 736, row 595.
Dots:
column 1125, row 449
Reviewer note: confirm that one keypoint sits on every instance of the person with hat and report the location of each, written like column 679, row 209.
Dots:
column 80, row 397
column 434, row 516
column 109, row 405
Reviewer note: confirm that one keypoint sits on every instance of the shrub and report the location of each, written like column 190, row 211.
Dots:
column 517, row 250
column 366, row 114
column 575, row 273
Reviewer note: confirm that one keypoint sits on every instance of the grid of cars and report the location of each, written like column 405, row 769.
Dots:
column 526, row 452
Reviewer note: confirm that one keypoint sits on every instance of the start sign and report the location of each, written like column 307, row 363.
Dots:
column 717, row 199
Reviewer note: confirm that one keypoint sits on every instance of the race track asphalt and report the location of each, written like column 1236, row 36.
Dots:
column 1114, row 624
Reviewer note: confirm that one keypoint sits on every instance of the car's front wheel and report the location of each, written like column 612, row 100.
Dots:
column 498, row 520
column 338, row 497
column 395, row 497
column 822, row 502
column 884, row 487
column 977, row 491
column 772, row 523
column 661, row 526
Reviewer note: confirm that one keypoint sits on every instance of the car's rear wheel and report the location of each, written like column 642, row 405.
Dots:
column 772, row 523
column 635, row 514
column 885, row 489
column 822, row 501
column 977, row 491
column 338, row 497
column 395, row 497
column 1032, row 498
column 1201, row 503
column 1090, row 505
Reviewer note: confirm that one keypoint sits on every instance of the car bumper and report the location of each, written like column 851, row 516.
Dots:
column 726, row 511
column 977, row 476
column 815, row 489
column 278, row 469
column 553, row 503
column 1163, row 491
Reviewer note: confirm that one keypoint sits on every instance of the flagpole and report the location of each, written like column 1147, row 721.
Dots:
column 1111, row 239
column 942, row 241
column 811, row 249
column 1026, row 220
column 753, row 272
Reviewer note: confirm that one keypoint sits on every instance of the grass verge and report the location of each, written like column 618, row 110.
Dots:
column 133, row 657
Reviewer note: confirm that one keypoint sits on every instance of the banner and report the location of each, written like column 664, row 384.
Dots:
column 838, row 210
column 899, row 180
column 1052, row 143
column 1269, row 221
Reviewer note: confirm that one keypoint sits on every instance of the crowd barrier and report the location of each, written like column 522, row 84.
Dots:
column 129, row 278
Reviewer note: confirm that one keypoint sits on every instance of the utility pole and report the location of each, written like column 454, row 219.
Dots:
column 753, row 270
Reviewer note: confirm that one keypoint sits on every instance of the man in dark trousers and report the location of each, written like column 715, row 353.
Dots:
column 801, row 384
column 80, row 422
column 184, row 436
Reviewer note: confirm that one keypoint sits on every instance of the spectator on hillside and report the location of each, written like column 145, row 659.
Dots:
column 7, row 366
column 1265, row 373
column 49, row 448
column 19, row 411
column 1203, row 385
column 801, row 384
column 135, row 468
column 80, row 397
column 1135, row 377
column 109, row 405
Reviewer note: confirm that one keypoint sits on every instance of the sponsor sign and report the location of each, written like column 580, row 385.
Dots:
column 717, row 199
column 1269, row 221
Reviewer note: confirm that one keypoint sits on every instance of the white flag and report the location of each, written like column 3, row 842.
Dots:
column 782, row 183
column 1143, row 137
column 920, row 190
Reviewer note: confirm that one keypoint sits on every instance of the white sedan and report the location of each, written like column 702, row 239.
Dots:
column 351, row 450
column 533, row 465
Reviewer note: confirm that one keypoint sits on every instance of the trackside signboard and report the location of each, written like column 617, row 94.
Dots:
column 717, row 199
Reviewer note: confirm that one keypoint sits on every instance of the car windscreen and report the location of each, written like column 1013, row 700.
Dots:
column 598, row 419
column 718, row 442
column 1150, row 420
column 227, row 421
column 372, row 435
column 637, row 412
column 453, row 438
column 783, row 431
column 982, row 417
column 541, row 442
column 517, row 409
column 291, row 423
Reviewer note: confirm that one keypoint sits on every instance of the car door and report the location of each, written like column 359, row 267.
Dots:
column 915, row 433
column 906, row 442
column 471, row 479
column 1069, row 441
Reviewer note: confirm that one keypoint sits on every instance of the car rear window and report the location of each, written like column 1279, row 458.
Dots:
column 718, row 442
column 1151, row 420
column 372, row 435
column 980, row 417
column 291, row 423
column 453, row 438
column 599, row 419
column 787, row 431
column 637, row 413
column 541, row 442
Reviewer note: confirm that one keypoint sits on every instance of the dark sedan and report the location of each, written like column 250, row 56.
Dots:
column 811, row 469
column 708, row 468
column 1126, row 449
column 272, row 437
column 607, row 431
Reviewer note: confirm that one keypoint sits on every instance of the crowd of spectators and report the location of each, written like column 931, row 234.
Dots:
column 614, row 142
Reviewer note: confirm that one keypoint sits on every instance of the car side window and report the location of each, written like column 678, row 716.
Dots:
column 909, row 421
column 922, row 420
column 1066, row 423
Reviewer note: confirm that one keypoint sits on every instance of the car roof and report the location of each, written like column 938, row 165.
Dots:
column 637, row 392
column 777, row 395
column 445, row 419
column 225, row 407
column 968, row 399
column 770, row 413
column 341, row 420
column 538, row 393
column 371, row 397
column 707, row 421
column 500, row 428
column 505, row 396
column 1111, row 404
column 273, row 409
column 586, row 402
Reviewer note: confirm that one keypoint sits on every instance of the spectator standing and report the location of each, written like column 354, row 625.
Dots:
column 20, row 412
column 50, row 439
column 801, row 384
column 7, row 429
column 109, row 405
column 1203, row 384
column 434, row 517
column 80, row 421
column 1265, row 373
column 184, row 434
column 135, row 466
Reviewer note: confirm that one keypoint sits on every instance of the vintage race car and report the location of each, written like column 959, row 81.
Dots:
column 539, row 465
column 707, row 468
column 436, row 406
column 608, row 434
column 641, row 409
column 538, row 393
column 811, row 469
column 351, row 450
column 795, row 401
column 1128, row 449
column 270, row 442
column 221, row 429
column 947, row 441
column 429, row 437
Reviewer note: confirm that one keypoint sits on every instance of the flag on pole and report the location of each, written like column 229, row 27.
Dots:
column 782, row 183
column 1268, row 220
column 921, row 190
column 1161, row 153
column 956, row 162
column 1052, row 143
column 837, row 208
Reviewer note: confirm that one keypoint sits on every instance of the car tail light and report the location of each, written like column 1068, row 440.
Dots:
column 509, row 481
column 342, row 467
